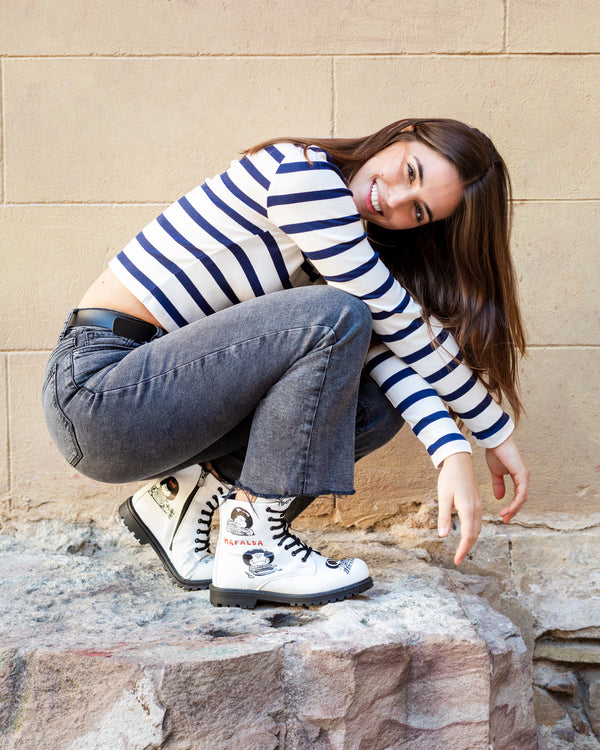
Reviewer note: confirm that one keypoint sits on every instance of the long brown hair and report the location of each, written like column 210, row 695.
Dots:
column 460, row 268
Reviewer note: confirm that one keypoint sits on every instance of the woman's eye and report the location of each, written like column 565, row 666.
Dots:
column 411, row 174
column 419, row 213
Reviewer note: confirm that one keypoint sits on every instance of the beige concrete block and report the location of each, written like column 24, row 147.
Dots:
column 560, row 435
column 541, row 111
column 43, row 484
column 555, row 246
column 390, row 484
column 50, row 255
column 277, row 27
column 112, row 130
column 4, row 446
column 558, row 26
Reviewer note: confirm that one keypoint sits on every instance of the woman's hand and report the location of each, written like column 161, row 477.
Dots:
column 506, row 459
column 457, row 487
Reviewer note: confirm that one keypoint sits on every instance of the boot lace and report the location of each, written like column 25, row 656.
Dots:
column 204, row 522
column 284, row 534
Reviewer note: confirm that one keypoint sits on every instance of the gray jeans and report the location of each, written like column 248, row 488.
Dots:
column 270, row 391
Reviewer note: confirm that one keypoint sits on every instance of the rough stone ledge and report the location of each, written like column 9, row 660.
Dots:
column 99, row 650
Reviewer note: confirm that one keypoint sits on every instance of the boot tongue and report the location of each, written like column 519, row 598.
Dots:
column 287, row 540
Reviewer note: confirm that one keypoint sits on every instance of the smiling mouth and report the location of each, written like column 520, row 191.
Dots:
column 375, row 199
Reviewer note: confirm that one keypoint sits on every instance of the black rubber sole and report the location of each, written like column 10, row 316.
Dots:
column 144, row 536
column 248, row 599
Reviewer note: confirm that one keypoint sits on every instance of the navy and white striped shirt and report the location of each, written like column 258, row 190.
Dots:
column 250, row 231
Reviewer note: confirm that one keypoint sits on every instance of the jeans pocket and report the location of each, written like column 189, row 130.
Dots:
column 96, row 355
column 59, row 425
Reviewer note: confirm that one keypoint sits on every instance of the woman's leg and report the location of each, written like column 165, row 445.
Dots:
column 192, row 494
column 291, row 359
column 258, row 559
column 377, row 422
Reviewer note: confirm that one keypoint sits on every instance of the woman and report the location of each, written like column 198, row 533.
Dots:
column 211, row 355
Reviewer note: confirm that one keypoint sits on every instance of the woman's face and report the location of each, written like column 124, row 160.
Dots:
column 406, row 185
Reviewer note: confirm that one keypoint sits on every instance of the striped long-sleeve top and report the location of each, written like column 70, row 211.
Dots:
column 251, row 230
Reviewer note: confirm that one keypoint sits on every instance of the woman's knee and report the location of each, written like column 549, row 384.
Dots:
column 341, row 309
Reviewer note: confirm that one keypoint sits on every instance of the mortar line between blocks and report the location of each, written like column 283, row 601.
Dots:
column 506, row 21
column 95, row 204
column 563, row 346
column 334, row 101
column 8, row 433
column 303, row 56
column 2, row 133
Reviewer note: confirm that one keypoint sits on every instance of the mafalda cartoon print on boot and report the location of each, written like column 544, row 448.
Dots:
column 240, row 522
column 259, row 562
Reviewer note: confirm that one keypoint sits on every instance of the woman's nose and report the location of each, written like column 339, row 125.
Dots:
column 398, row 195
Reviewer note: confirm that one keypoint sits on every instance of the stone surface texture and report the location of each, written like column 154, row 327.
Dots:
column 547, row 582
column 99, row 649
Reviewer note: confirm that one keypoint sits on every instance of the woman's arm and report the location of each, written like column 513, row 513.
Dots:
column 311, row 204
column 506, row 459
column 427, row 415
column 457, row 488
column 413, row 397
column 418, row 403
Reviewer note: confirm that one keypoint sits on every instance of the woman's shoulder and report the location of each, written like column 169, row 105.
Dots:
column 306, row 167
column 289, row 152
column 285, row 167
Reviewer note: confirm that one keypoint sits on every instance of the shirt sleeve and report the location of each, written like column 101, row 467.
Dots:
column 426, row 413
column 311, row 203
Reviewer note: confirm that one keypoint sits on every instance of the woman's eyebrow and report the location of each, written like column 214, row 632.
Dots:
column 420, row 171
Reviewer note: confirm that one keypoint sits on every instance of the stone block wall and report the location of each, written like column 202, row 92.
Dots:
column 111, row 110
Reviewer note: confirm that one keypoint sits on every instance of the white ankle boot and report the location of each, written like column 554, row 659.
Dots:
column 258, row 559
column 173, row 514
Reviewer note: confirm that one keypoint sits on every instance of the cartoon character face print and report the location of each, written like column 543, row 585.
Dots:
column 259, row 562
column 240, row 522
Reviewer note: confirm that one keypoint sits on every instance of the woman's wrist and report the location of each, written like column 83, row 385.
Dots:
column 456, row 459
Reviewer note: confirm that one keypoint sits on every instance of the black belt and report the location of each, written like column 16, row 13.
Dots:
column 119, row 323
